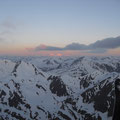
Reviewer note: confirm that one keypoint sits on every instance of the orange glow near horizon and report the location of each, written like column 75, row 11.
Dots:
column 59, row 54
column 51, row 54
column 31, row 52
column 115, row 52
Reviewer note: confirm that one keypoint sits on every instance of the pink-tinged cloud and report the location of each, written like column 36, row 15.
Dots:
column 98, row 47
column 31, row 51
column 25, row 52
column 42, row 47
column 46, row 48
column 74, row 49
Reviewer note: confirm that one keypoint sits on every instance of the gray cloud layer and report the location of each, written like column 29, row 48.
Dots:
column 107, row 43
column 8, row 24
column 75, row 46
column 99, row 46
column 8, row 27
column 39, row 48
column 1, row 39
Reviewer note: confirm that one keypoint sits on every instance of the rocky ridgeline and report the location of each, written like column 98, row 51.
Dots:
column 74, row 89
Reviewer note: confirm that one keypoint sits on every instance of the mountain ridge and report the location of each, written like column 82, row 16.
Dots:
column 81, row 89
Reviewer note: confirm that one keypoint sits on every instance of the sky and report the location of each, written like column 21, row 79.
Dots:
column 59, row 27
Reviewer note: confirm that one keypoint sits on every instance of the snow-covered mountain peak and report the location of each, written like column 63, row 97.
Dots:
column 6, row 67
column 67, row 88
column 24, row 70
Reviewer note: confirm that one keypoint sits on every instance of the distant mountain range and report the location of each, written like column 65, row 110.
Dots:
column 58, row 88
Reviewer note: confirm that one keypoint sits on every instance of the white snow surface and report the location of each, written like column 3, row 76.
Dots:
column 32, row 75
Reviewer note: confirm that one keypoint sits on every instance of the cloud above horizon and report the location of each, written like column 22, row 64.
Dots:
column 108, row 43
column 44, row 47
column 8, row 24
column 8, row 27
column 100, row 46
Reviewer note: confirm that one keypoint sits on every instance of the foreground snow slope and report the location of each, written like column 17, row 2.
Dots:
column 67, row 88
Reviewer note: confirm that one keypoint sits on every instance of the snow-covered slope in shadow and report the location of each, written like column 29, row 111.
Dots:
column 74, row 89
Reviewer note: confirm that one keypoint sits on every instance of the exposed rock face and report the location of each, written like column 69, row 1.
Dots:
column 116, row 115
column 57, row 86
column 69, row 88
column 103, row 99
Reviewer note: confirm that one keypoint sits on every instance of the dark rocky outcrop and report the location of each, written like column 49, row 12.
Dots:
column 57, row 86
column 116, row 115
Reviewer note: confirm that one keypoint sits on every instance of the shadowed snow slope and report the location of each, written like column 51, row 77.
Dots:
column 45, row 88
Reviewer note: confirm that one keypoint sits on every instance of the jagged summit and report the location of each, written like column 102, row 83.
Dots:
column 67, row 88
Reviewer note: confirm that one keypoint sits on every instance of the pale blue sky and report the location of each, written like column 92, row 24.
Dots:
column 58, row 22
